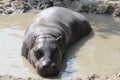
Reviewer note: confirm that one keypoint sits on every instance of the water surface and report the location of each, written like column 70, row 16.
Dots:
column 97, row 53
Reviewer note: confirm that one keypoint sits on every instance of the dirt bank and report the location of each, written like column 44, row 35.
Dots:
column 111, row 7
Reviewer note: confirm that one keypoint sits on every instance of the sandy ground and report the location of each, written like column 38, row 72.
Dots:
column 115, row 76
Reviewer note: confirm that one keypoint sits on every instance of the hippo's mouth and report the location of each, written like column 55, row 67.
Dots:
column 48, row 72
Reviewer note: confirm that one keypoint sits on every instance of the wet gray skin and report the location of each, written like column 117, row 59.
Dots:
column 48, row 37
column 45, row 56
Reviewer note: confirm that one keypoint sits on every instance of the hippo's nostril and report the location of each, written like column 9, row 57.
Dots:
column 48, row 65
column 45, row 66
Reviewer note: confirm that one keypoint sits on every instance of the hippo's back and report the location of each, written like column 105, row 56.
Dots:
column 70, row 23
column 61, row 14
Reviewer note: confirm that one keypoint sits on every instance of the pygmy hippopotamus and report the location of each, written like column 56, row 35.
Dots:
column 52, row 31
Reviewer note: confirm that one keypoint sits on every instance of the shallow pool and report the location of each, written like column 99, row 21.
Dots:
column 97, row 53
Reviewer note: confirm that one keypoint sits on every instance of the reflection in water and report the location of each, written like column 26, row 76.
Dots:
column 97, row 53
column 72, row 69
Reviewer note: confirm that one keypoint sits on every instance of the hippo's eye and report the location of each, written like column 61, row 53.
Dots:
column 38, row 54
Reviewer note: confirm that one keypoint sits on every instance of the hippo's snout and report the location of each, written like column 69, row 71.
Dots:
column 47, row 69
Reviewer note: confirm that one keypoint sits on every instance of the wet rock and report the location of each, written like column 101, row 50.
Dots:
column 40, row 4
column 75, row 5
column 68, row 3
column 8, row 10
column 1, row 10
column 10, row 6
column 46, row 3
column 110, row 9
column 34, row 3
column 19, row 6
column 117, row 11
column 94, row 77
column 105, row 8
column 58, row 3
column 101, row 8
column 1, row 7
column 76, row 79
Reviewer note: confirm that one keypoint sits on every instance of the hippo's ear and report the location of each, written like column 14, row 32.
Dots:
column 59, row 39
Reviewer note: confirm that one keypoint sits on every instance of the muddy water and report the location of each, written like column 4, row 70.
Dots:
column 12, row 29
column 97, row 53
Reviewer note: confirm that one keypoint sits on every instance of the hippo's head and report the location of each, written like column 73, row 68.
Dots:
column 46, row 56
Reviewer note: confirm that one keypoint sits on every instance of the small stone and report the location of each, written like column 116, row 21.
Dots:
column 117, row 11
column 93, row 77
column 118, row 74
